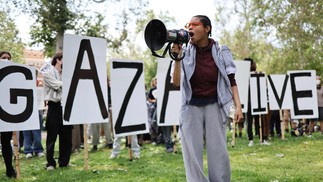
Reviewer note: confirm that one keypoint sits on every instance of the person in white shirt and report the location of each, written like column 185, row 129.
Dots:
column 6, row 136
column 54, row 120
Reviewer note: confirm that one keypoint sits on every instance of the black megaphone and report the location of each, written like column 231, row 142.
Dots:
column 156, row 35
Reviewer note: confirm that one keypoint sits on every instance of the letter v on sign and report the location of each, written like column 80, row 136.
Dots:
column 279, row 98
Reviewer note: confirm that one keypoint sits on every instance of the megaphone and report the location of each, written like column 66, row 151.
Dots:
column 156, row 35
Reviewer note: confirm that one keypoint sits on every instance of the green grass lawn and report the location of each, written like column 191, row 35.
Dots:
column 294, row 159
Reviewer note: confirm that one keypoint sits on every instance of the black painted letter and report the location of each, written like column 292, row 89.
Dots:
column 118, row 126
column 279, row 99
column 258, row 76
column 91, row 74
column 300, row 94
column 168, row 87
column 15, row 93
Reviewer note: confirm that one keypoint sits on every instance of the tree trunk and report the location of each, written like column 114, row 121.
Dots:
column 59, row 42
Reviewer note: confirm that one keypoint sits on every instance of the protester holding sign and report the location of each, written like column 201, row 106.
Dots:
column 152, row 116
column 7, row 153
column 163, row 132
column 135, row 147
column 116, row 146
column 95, row 128
column 54, row 119
column 249, row 117
column 6, row 136
column 320, row 107
column 320, row 102
column 32, row 138
column 275, row 123
column 208, row 88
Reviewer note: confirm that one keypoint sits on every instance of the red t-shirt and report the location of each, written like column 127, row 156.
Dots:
column 204, row 79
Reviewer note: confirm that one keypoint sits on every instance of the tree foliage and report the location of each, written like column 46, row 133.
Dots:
column 280, row 35
column 135, row 49
column 55, row 17
column 298, row 26
column 124, row 32
column 9, row 40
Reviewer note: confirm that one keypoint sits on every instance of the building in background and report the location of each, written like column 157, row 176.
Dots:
column 37, row 59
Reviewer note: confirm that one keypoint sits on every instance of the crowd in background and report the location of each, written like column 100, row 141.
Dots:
column 101, row 133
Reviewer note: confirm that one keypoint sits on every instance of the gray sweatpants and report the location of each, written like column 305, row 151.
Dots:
column 96, row 133
column 195, row 122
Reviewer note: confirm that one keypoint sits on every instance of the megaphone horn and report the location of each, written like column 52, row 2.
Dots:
column 156, row 35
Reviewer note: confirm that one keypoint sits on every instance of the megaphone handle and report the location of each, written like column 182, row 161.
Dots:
column 174, row 56
column 167, row 48
column 164, row 53
column 155, row 54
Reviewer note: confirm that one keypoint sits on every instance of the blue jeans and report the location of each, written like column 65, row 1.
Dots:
column 32, row 140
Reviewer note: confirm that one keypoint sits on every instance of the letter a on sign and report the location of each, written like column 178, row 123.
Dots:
column 168, row 96
column 84, row 80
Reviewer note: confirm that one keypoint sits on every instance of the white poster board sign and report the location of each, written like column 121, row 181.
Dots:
column 169, row 98
column 128, row 98
column 279, row 92
column 18, row 96
column 304, row 94
column 258, row 93
column 85, row 90
column 242, row 79
column 40, row 98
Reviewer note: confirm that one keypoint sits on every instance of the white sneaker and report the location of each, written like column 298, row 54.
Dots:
column 136, row 155
column 113, row 156
column 250, row 143
column 40, row 154
column 29, row 155
column 153, row 143
column 266, row 142
column 50, row 168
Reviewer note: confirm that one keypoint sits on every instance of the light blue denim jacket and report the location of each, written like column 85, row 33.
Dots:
column 224, row 61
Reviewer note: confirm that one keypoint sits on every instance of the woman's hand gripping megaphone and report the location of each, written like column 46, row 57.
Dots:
column 176, row 50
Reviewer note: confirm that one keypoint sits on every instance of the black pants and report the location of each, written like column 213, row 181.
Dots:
column 250, row 122
column 275, row 123
column 54, row 126
column 7, row 150
column 167, row 132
